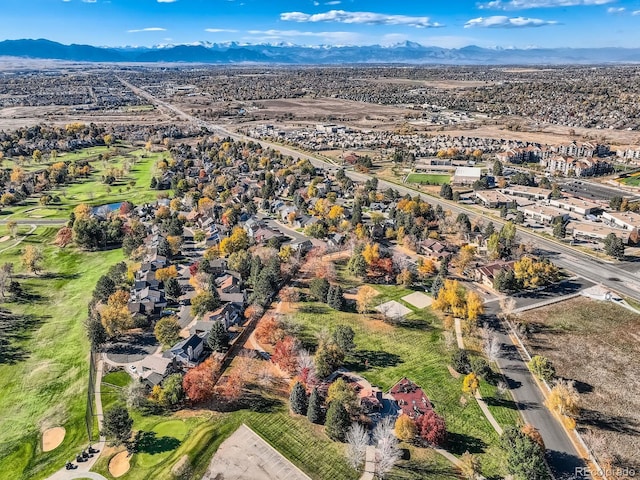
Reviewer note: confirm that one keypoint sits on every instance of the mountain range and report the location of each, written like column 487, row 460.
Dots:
column 236, row 53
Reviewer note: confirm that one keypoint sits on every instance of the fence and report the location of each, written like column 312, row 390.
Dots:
column 90, row 414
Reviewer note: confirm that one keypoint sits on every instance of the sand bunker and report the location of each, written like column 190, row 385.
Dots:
column 5, row 238
column 52, row 438
column 119, row 464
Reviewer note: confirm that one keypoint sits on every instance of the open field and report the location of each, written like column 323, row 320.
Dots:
column 632, row 181
column 133, row 187
column 597, row 344
column 44, row 368
column 428, row 178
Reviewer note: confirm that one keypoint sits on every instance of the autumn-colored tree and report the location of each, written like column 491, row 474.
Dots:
column 32, row 258
column 532, row 273
column 230, row 390
column 239, row 240
column 432, row 428
column 253, row 312
column 108, row 139
column 533, row 433
column 285, row 354
column 114, row 315
column 475, row 306
column 163, row 212
column 405, row 428
column 289, row 295
column 175, row 244
column 364, row 298
column 336, row 213
column 64, row 237
column 212, row 253
column 199, row 382
column 451, row 299
column 469, row 465
column 167, row 330
column 17, row 175
column 564, row 399
column 342, row 392
column 470, row 384
column 82, row 211
column 465, row 256
column 426, row 268
column 164, row 274
column 269, row 331
column 371, row 253
column 405, row 278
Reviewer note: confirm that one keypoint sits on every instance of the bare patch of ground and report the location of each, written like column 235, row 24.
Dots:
column 119, row 464
column 52, row 438
column 596, row 344
column 246, row 456
column 418, row 300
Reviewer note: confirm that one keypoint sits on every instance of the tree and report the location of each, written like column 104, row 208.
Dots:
column 319, row 288
column 533, row 433
column 343, row 337
column 12, row 227
column 542, row 368
column 613, row 246
column 298, row 399
column 615, row 202
column 364, row 298
column 96, row 333
column 340, row 391
column 451, row 299
column 497, row 168
column 437, row 285
column 492, row 347
column 314, row 410
column 32, row 258
column 167, row 330
column 357, row 265
column 525, row 458
column 117, row 424
column 104, row 288
column 432, row 428
column 406, row 278
column 564, row 399
column 115, row 315
column 218, row 340
column 371, row 253
column 446, row 191
column 172, row 289
column 164, row 274
column 203, row 302
column 357, row 439
column 469, row 465
column 335, row 297
column 172, row 392
column 405, row 428
column 64, row 237
column 199, row 382
column 460, row 361
column 465, row 256
column 328, row 358
column 475, row 306
column 387, row 451
column 470, row 383
column 338, row 422
column 285, row 354
column 560, row 229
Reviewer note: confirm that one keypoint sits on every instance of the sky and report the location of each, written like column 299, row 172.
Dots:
column 443, row 23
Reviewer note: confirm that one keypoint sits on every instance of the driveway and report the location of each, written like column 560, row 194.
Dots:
column 131, row 348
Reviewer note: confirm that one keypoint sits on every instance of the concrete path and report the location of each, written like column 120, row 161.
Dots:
column 453, row 459
column 483, row 405
column 83, row 468
column 369, row 464
column 33, row 228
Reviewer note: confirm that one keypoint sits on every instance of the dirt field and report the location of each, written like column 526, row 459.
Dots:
column 597, row 344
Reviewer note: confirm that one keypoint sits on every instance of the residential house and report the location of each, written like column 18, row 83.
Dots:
column 154, row 369
column 187, row 353
column 485, row 274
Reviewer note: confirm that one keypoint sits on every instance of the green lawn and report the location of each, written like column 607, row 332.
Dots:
column 44, row 370
column 416, row 350
column 633, row 181
column 429, row 178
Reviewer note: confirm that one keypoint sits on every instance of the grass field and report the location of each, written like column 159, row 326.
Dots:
column 134, row 187
column 44, row 368
column 632, row 181
column 597, row 344
column 428, row 178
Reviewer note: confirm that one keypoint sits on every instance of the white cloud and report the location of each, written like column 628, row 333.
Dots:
column 329, row 37
column 635, row 13
column 615, row 10
column 89, row 1
column 501, row 21
column 333, row 2
column 368, row 18
column 220, row 30
column 167, row 1
column 148, row 29
column 525, row 4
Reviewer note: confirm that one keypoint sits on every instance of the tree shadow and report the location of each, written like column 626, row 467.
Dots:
column 501, row 402
column 149, row 442
column 259, row 403
column 459, row 443
column 15, row 331
column 371, row 358
column 583, row 387
column 315, row 308
column 611, row 423
column 59, row 276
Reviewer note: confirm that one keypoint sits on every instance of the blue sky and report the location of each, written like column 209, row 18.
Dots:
column 445, row 23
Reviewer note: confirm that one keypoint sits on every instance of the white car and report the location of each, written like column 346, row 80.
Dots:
column 132, row 368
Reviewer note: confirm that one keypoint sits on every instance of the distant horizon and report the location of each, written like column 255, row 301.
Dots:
column 508, row 24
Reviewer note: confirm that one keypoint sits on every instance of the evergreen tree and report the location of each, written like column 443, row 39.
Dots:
column 256, row 268
column 343, row 337
column 437, row 285
column 356, row 214
column 338, row 421
column 218, row 340
column 489, row 229
column 357, row 265
column 172, row 289
column 164, row 248
column 314, row 412
column 446, row 191
column 497, row 168
column 613, row 246
column 319, row 289
column 525, row 457
column 298, row 399
column 560, row 229
column 335, row 297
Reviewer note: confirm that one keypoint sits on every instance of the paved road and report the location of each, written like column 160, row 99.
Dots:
column 562, row 456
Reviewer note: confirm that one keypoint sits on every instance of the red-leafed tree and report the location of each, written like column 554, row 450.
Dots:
column 64, row 237
column 193, row 268
column 199, row 382
column 231, row 390
column 432, row 428
column 269, row 331
column 285, row 354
